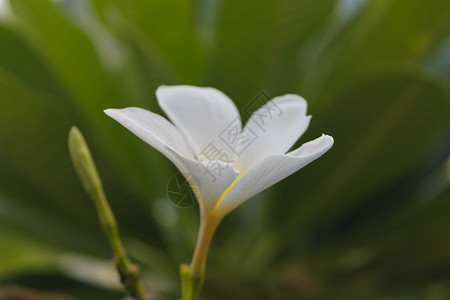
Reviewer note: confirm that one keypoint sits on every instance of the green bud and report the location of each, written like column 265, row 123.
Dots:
column 85, row 167
column 83, row 162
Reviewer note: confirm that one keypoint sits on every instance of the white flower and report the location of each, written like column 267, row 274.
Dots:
column 226, row 164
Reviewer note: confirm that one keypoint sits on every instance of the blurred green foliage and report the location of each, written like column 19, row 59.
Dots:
column 369, row 220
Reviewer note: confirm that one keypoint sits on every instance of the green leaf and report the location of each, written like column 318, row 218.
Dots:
column 33, row 135
column 387, row 32
column 20, row 60
column 167, row 31
column 257, row 45
column 383, row 126
column 76, row 61
column 22, row 254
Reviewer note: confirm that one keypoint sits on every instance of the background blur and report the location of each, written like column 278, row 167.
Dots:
column 369, row 220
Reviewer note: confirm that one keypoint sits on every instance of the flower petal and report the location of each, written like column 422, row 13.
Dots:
column 203, row 115
column 272, row 129
column 208, row 179
column 155, row 130
column 271, row 170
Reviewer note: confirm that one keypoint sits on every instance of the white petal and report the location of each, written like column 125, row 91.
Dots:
column 208, row 179
column 272, row 129
column 205, row 116
column 271, row 170
column 154, row 130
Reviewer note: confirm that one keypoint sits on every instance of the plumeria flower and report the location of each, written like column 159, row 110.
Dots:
column 205, row 141
column 225, row 163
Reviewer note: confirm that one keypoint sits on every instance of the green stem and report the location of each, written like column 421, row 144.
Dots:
column 185, row 272
column 207, row 228
column 87, row 171
column 193, row 275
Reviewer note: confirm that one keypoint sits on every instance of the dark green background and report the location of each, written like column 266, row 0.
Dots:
column 369, row 220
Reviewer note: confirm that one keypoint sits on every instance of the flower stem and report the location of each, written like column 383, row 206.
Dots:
column 85, row 167
column 193, row 275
